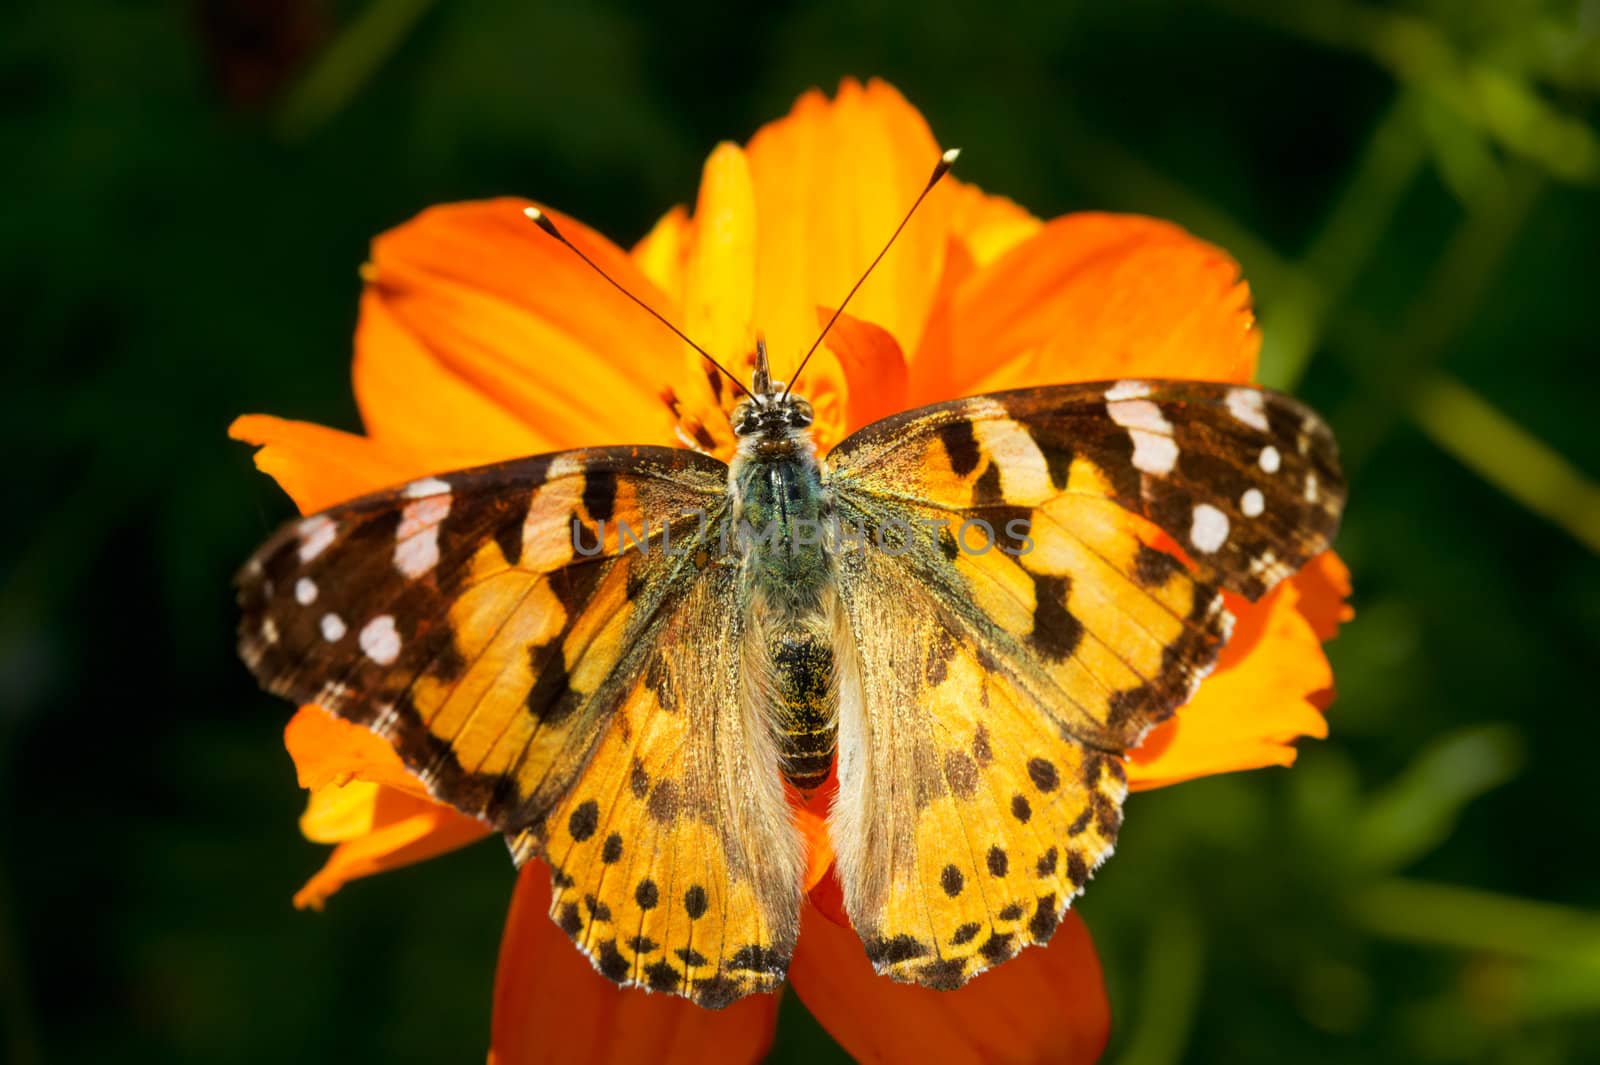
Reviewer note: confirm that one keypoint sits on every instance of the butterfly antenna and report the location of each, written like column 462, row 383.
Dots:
column 542, row 220
column 946, row 161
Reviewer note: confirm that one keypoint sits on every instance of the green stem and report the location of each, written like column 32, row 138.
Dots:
column 1443, row 915
column 1174, row 969
column 347, row 64
column 1499, row 450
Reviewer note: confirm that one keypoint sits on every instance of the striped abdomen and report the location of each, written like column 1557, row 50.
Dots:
column 802, row 665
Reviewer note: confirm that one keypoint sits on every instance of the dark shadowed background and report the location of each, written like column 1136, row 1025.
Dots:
column 1411, row 190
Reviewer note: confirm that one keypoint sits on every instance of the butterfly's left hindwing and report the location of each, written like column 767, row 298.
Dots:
column 576, row 691
column 1018, row 625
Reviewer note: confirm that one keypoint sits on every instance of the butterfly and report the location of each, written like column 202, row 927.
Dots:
column 628, row 660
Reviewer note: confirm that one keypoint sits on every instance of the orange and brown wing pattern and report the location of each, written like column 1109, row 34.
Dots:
column 967, row 819
column 679, row 868
column 1024, row 521
column 1245, row 480
column 473, row 619
column 507, row 631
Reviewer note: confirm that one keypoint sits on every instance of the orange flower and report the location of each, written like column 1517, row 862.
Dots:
column 481, row 339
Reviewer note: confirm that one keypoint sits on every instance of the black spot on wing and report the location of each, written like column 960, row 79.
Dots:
column 946, row 974
column 986, row 489
column 1043, row 924
column 754, row 958
column 551, row 698
column 960, row 445
column 661, row 976
column 1152, row 568
column 962, row 774
column 890, row 951
column 998, row 947
column 600, row 494
column 584, row 820
column 613, row 966
column 1056, row 632
column 716, row 992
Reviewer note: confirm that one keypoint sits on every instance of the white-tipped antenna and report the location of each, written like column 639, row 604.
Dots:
column 946, row 161
column 542, row 220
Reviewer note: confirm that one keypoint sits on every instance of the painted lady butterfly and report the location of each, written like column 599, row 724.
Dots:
column 980, row 605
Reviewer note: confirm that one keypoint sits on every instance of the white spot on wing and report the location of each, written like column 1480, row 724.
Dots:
column 305, row 591
column 1154, row 450
column 379, row 640
column 428, row 486
column 333, row 628
column 269, row 631
column 1252, row 503
column 316, row 533
column 1311, row 488
column 421, row 515
column 1270, row 459
column 1209, row 530
column 416, row 549
column 1024, row 475
column 1128, row 390
column 562, row 466
column 1153, row 453
column 416, row 556
column 1139, row 414
column 1249, row 407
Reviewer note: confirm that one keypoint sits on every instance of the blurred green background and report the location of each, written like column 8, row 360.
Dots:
column 1411, row 190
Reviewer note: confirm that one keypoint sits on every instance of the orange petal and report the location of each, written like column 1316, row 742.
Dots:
column 328, row 751
column 319, row 467
column 405, row 829
column 662, row 252
column 1250, row 711
column 338, row 812
column 1091, row 297
column 507, row 310
column 811, row 818
column 987, row 226
column 411, row 399
column 719, row 274
column 1046, row 1004
column 832, row 180
column 874, row 371
column 365, row 799
column 1324, row 585
column 551, row 1006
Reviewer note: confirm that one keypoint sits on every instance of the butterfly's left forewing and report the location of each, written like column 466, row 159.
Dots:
column 1019, row 623
column 538, row 666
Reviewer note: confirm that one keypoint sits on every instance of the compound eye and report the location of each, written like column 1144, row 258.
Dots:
column 744, row 419
column 800, row 414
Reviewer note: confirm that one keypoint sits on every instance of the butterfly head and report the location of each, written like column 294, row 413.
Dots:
column 771, row 411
